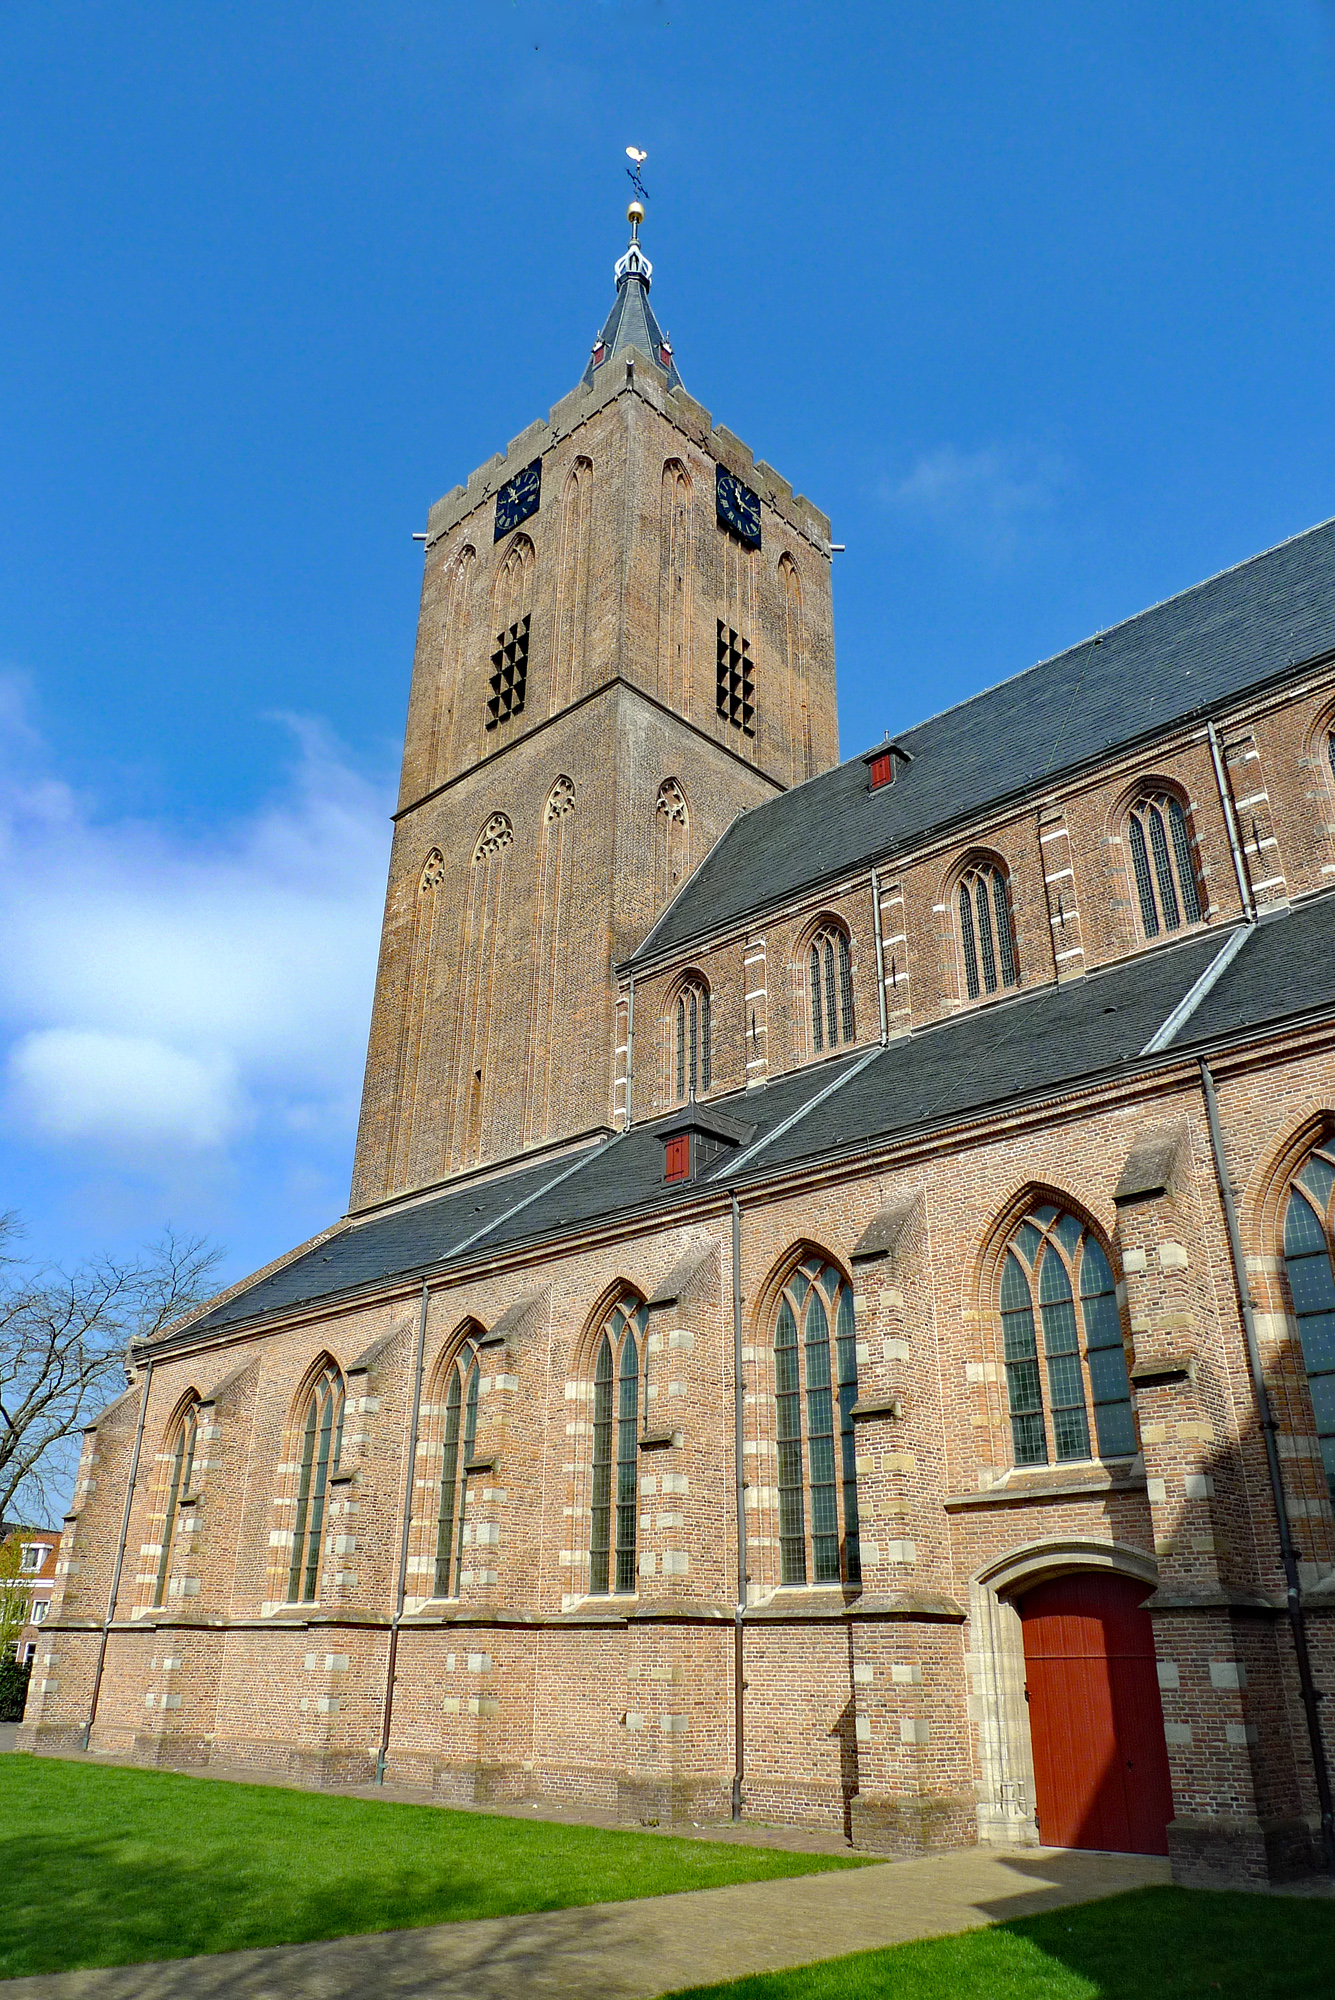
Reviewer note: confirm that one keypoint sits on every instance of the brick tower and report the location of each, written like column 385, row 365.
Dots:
column 625, row 640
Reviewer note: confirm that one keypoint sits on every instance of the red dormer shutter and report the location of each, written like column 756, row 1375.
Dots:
column 678, row 1152
column 882, row 770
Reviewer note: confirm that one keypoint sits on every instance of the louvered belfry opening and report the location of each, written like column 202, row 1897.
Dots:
column 735, row 682
column 509, row 673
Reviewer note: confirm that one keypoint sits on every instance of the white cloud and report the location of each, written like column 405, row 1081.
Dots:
column 80, row 1083
column 164, row 991
column 986, row 498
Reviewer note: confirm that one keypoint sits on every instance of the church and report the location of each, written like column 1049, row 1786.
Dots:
column 835, row 1318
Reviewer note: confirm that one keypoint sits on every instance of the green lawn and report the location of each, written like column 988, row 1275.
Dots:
column 1154, row 1944
column 102, row 1866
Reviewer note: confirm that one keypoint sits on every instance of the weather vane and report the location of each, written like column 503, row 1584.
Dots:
column 637, row 160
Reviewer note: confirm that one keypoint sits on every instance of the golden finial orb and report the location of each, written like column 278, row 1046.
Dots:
column 635, row 213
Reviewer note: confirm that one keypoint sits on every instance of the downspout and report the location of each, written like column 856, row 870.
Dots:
column 630, row 1045
column 1288, row 1554
column 880, row 952
column 738, row 1434
column 402, row 1591
column 1231, row 823
column 120, row 1554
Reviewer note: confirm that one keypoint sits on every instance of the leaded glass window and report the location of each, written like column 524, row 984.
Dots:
column 816, row 1386
column 459, row 1439
column 1057, row 1261
column 830, row 979
column 620, row 1368
column 1163, row 865
column 178, row 1488
column 1307, row 1255
column 321, row 1441
column 693, row 1056
column 987, row 935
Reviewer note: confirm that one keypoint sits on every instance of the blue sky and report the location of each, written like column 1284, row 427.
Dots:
column 1035, row 301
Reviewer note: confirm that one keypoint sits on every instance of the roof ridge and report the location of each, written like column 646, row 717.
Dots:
column 1102, row 632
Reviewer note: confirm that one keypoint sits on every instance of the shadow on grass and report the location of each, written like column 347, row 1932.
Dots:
column 1151, row 1944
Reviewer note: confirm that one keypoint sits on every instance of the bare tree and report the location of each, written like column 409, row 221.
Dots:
column 63, row 1337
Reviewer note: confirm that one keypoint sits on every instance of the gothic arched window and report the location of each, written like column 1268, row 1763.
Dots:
column 321, row 1439
column 1057, row 1259
column 182, row 1464
column 987, row 935
column 1163, row 865
column 459, row 1437
column 617, row 1373
column 830, row 980
column 691, row 1039
column 816, row 1386
column 1308, row 1239
column 673, row 819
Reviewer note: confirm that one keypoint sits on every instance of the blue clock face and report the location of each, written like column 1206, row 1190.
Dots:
column 518, row 498
column 738, row 508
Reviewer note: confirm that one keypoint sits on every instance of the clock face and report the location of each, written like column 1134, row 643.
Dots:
column 738, row 508
column 518, row 498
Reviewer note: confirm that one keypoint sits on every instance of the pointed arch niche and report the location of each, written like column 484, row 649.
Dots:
column 481, row 930
column 416, row 989
column 675, row 589
column 672, row 839
column 570, row 662
column 795, row 670
column 455, row 628
column 551, row 932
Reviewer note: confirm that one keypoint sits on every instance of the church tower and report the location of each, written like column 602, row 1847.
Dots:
column 625, row 639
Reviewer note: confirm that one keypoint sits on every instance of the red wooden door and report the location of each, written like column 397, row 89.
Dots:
column 1100, row 1766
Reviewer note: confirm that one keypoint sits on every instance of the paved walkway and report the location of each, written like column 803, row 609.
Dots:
column 631, row 1951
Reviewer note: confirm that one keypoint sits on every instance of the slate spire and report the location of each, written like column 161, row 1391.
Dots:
column 631, row 322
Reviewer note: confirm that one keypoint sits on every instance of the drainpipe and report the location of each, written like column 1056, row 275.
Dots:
column 880, row 952
column 1288, row 1553
column 1231, row 823
column 409, row 1477
column 630, row 1044
column 120, row 1555
column 738, row 1433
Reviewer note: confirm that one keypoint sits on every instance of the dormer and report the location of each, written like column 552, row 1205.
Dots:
column 694, row 1138
column 883, row 762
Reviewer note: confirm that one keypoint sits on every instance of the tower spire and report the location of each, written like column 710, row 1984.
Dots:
column 631, row 322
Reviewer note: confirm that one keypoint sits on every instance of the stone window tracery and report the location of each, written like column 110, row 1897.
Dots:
column 181, row 1464
column 816, row 1386
column 620, row 1367
column 1309, row 1234
column 672, row 819
column 986, row 930
column 1057, row 1260
column 829, row 974
column 560, row 800
column 495, row 836
column 1163, row 864
column 321, row 1440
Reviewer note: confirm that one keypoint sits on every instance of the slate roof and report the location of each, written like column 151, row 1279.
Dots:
column 1241, row 629
column 631, row 323
column 1025, row 1048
